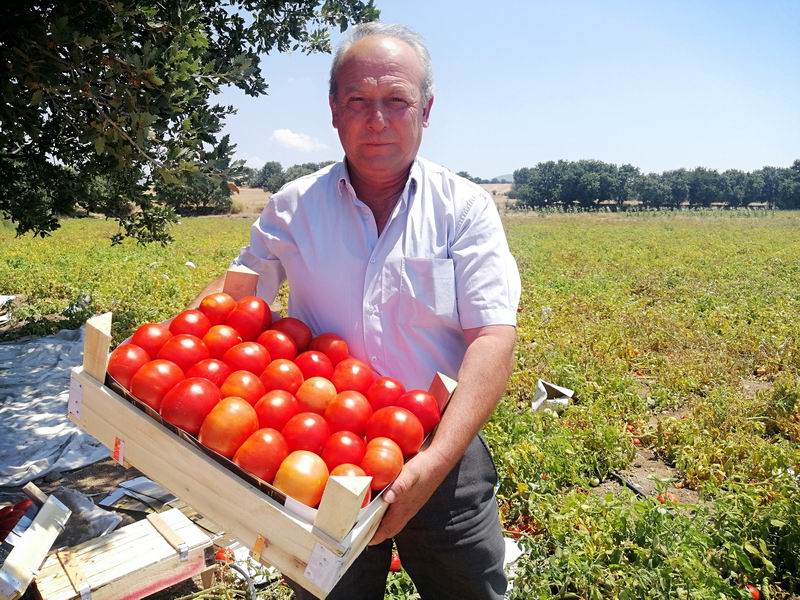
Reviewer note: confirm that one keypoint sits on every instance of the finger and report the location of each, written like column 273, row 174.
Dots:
column 400, row 486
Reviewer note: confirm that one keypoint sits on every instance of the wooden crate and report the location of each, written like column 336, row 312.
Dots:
column 132, row 562
column 312, row 547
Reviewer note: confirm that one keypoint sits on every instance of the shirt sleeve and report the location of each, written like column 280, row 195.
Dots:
column 487, row 279
column 258, row 256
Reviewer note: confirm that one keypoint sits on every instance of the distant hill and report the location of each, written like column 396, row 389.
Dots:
column 504, row 178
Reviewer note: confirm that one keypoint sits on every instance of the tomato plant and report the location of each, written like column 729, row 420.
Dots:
column 150, row 337
column 275, row 408
column 349, row 411
column 125, row 361
column 221, row 338
column 247, row 356
column 352, row 374
column 306, row 431
column 153, row 380
column 384, row 391
column 343, row 447
column 191, row 321
column 295, row 329
column 250, row 317
column 228, row 425
column 217, row 307
column 188, row 403
column 262, row 453
column 397, row 424
column 383, row 464
column 282, row 374
column 184, row 350
column 243, row 384
column 302, row 475
column 278, row 344
column 332, row 345
column 212, row 369
column 316, row 394
column 423, row 405
column 314, row 364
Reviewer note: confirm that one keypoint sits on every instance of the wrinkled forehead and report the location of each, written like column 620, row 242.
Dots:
column 379, row 61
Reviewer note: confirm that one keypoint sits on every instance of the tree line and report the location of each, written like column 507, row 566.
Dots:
column 594, row 184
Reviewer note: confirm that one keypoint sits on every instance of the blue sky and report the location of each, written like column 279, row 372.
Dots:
column 660, row 85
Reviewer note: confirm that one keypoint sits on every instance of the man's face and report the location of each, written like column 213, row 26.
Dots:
column 378, row 109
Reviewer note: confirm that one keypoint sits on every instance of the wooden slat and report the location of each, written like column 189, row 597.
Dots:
column 340, row 505
column 240, row 282
column 97, row 340
column 26, row 557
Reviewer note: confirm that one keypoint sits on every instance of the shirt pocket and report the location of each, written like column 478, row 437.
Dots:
column 422, row 288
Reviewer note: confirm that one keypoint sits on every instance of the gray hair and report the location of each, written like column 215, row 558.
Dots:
column 397, row 32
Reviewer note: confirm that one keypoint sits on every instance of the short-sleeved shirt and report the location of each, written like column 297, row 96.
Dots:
column 401, row 299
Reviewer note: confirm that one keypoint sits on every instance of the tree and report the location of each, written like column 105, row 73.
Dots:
column 653, row 190
column 270, row 177
column 122, row 91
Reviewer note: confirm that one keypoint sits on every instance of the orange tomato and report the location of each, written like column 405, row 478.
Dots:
column 315, row 394
column 302, row 475
column 243, row 384
column 228, row 425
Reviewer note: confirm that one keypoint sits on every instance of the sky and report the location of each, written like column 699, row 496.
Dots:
column 659, row 85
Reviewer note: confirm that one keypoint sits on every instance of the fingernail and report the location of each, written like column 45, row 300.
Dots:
column 390, row 496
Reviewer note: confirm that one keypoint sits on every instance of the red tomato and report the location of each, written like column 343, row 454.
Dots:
column 150, row 383
column 243, row 384
column 343, row 447
column 349, row 411
column 150, row 337
column 228, row 425
column 184, row 350
column 188, row 403
column 315, row 394
column 397, row 424
column 125, row 361
column 754, row 591
column 306, row 431
column 192, row 322
column 262, row 453
column 383, row 464
column 332, row 345
column 217, row 307
column 384, row 391
column 384, row 442
column 212, row 369
column 295, row 329
column 352, row 374
column 221, row 338
column 275, row 408
column 424, row 407
column 395, row 565
column 250, row 317
column 282, row 374
column 302, row 475
column 247, row 356
column 350, row 470
column 314, row 364
column 278, row 344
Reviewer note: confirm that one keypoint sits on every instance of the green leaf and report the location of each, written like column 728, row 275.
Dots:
column 100, row 145
column 36, row 98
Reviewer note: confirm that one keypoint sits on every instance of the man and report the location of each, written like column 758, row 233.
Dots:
column 410, row 264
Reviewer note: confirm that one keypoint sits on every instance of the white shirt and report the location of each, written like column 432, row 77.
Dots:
column 401, row 299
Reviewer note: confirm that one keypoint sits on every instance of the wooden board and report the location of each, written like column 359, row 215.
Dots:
column 24, row 560
column 132, row 562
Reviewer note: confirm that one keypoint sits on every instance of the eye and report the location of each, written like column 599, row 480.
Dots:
column 398, row 102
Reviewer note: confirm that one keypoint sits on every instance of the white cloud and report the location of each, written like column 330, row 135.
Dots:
column 296, row 141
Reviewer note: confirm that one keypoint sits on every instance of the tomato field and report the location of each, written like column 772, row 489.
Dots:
column 678, row 332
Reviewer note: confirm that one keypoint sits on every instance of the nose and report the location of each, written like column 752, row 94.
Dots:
column 376, row 119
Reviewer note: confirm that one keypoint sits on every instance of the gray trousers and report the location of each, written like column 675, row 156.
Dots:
column 452, row 548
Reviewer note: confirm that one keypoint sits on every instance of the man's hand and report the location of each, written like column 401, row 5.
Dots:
column 420, row 477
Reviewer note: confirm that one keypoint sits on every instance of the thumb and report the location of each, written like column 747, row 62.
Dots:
column 399, row 486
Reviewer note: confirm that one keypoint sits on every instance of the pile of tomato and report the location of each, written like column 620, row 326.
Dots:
column 286, row 406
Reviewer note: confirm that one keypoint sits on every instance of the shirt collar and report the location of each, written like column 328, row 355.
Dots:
column 345, row 188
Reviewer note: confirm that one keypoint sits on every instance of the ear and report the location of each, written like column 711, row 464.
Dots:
column 426, row 112
column 332, row 104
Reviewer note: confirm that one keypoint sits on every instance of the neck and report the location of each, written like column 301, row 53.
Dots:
column 379, row 193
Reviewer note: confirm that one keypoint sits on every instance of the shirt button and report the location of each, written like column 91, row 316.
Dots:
column 372, row 260
column 374, row 359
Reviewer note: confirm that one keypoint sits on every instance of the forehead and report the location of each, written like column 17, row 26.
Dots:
column 379, row 61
